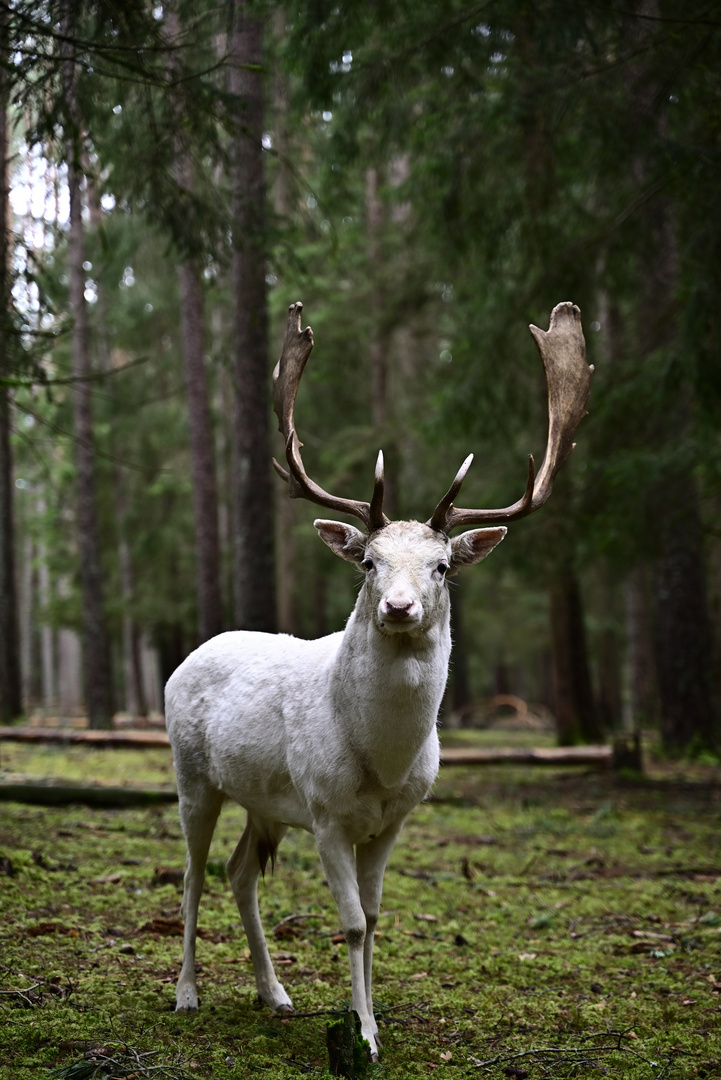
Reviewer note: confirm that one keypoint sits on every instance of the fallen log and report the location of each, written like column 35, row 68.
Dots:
column 55, row 793
column 601, row 756
column 140, row 739
column 95, row 795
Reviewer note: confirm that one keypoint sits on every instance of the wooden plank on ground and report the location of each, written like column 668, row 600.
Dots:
column 127, row 738
column 600, row 756
column 97, row 795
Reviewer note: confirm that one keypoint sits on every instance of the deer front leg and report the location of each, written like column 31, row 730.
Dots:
column 337, row 857
column 371, row 859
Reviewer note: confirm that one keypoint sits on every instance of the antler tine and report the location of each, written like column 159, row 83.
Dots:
column 376, row 517
column 568, row 377
column 445, row 506
column 297, row 347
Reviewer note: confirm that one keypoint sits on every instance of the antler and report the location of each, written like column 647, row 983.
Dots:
column 568, row 376
column 297, row 346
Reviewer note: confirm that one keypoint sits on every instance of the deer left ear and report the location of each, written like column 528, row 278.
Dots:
column 472, row 547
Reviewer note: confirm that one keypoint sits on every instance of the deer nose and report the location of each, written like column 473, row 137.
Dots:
column 398, row 607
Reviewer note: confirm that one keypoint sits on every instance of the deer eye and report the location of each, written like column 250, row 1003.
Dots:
column 367, row 564
column 442, row 568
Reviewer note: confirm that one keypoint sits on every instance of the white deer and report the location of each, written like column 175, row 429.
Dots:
column 338, row 735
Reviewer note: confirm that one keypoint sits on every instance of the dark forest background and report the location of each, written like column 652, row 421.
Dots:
column 428, row 178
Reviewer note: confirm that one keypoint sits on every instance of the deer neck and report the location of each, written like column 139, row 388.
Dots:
column 388, row 688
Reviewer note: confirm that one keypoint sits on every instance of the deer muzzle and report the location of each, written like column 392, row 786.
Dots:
column 399, row 608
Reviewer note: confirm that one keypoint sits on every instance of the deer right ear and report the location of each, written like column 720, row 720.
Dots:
column 344, row 540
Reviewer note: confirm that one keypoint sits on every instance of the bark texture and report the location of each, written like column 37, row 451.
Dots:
column 10, row 696
column 460, row 682
column 192, row 321
column 96, row 646
column 205, row 492
column 683, row 640
column 253, row 547
column 10, row 679
column 683, row 636
column 643, row 686
column 575, row 708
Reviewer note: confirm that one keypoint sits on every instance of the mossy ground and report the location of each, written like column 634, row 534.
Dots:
column 523, row 910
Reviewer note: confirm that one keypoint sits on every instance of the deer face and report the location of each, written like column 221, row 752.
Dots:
column 406, row 565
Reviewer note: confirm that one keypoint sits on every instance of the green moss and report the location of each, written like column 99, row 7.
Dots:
column 528, row 910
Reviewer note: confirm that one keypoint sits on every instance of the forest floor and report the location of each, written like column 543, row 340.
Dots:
column 536, row 922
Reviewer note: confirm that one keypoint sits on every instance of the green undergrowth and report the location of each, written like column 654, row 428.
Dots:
column 540, row 924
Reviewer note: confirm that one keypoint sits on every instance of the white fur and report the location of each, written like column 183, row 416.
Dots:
column 336, row 736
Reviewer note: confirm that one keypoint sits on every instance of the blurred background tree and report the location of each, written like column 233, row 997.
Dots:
column 429, row 179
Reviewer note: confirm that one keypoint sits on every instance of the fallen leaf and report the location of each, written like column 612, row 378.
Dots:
column 419, row 975
column 47, row 928
column 426, row 918
column 166, row 927
column 168, row 875
column 287, row 930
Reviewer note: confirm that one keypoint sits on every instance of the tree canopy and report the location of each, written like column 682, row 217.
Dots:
column 433, row 178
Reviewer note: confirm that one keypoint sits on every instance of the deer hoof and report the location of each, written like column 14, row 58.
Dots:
column 186, row 999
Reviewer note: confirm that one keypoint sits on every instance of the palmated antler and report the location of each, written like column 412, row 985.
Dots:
column 563, row 351
column 297, row 347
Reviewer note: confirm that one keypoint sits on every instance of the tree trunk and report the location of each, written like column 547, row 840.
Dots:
column 460, row 684
column 133, row 683
column 96, row 646
column 575, row 709
column 644, row 691
column 286, row 518
column 205, row 492
column 10, row 682
column 379, row 339
column 608, row 660
column 10, row 695
column 253, row 505
column 683, row 637
column 683, row 648
column 47, row 634
column 134, row 692
column 610, row 707
column 192, row 320
column 683, row 640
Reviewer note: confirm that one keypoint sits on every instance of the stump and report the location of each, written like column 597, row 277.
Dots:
column 348, row 1051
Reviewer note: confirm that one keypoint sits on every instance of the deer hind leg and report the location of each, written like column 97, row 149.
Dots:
column 257, row 844
column 371, row 859
column 198, row 817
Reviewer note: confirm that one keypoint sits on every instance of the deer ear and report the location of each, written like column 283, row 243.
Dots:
column 344, row 540
column 472, row 547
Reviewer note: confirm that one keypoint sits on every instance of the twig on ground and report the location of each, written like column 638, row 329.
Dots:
column 573, row 1055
